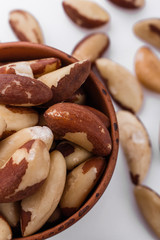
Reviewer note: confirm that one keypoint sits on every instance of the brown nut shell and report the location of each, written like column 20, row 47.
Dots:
column 79, row 125
column 136, row 145
column 80, row 181
column 5, row 230
column 11, row 212
column 148, row 30
column 147, row 67
column 123, row 86
column 19, row 176
column 85, row 13
column 37, row 208
column 25, row 26
column 91, row 47
column 131, row 4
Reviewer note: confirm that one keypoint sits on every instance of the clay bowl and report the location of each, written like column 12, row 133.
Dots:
column 99, row 98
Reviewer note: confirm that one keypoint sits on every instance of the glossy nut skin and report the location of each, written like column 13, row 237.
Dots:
column 11, row 212
column 23, row 91
column 91, row 47
column 123, row 85
column 19, row 176
column 10, row 144
column 130, row 4
column 136, row 145
column 77, row 124
column 36, row 209
column 85, row 13
column 148, row 30
column 73, row 154
column 5, row 230
column 147, row 67
column 80, row 181
column 25, row 26
column 65, row 81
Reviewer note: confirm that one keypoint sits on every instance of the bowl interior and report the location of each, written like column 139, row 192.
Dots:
column 98, row 97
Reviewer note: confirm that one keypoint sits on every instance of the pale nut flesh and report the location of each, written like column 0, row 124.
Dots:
column 25, row 26
column 11, row 212
column 123, row 85
column 129, row 3
column 91, row 47
column 5, row 230
column 66, row 80
column 10, row 144
column 37, row 208
column 148, row 30
column 73, row 154
column 149, row 204
column 3, row 125
column 147, row 67
column 80, row 181
column 90, row 16
column 136, row 145
column 19, row 176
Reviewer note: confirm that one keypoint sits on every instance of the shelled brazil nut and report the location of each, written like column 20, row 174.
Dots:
column 131, row 4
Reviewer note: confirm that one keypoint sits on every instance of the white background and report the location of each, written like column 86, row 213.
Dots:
column 116, row 215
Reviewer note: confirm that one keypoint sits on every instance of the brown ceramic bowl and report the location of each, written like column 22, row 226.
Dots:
column 17, row 51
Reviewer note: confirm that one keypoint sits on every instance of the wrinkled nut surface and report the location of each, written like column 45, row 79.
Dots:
column 25, row 26
column 3, row 125
column 5, row 230
column 37, row 208
column 80, row 181
column 19, row 176
column 136, row 145
column 23, row 91
column 149, row 204
column 91, row 47
column 123, row 86
column 73, row 154
column 18, row 118
column 129, row 3
column 11, row 212
column 34, row 68
column 147, row 67
column 79, row 125
column 148, row 30
column 85, row 13
column 78, row 97
column 10, row 144
column 65, row 81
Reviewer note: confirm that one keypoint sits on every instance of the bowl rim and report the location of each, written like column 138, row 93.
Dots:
column 47, row 51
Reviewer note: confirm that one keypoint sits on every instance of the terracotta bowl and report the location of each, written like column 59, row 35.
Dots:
column 98, row 98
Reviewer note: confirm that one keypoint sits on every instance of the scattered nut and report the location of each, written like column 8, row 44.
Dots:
column 149, row 204
column 25, row 26
column 80, row 181
column 85, row 13
column 11, row 212
column 129, row 3
column 37, row 208
column 5, row 230
column 123, row 86
column 79, row 125
column 91, row 47
column 3, row 125
column 147, row 67
column 149, row 31
column 136, row 145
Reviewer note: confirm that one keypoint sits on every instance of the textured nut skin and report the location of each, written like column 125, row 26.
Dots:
column 25, row 26
column 10, row 144
column 149, row 204
column 37, row 208
column 34, row 68
column 73, row 154
column 11, row 212
column 80, row 181
column 136, row 145
column 123, row 86
column 18, row 118
column 147, row 67
column 77, row 124
column 148, row 30
column 85, row 13
column 132, row 4
column 65, row 81
column 24, row 91
column 3, row 125
column 91, row 47
column 78, row 97
column 19, row 176
column 5, row 230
